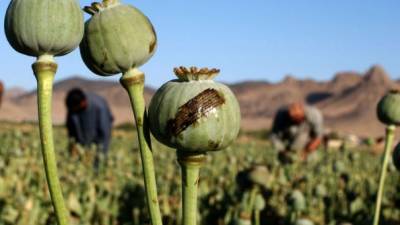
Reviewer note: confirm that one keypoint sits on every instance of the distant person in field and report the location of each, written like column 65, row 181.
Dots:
column 297, row 127
column 89, row 119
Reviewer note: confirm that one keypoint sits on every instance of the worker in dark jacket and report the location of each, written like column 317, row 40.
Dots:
column 89, row 119
column 297, row 127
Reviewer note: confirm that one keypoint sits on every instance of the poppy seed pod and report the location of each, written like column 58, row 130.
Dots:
column 297, row 200
column 259, row 175
column 194, row 113
column 117, row 38
column 259, row 203
column 388, row 109
column 339, row 167
column 320, row 191
column 44, row 27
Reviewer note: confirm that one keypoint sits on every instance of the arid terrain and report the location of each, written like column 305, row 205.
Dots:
column 347, row 101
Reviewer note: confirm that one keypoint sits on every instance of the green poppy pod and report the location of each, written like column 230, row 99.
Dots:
column 44, row 27
column 259, row 203
column 259, row 175
column 193, row 113
column 388, row 109
column 118, row 37
column 339, row 167
column 320, row 191
column 297, row 200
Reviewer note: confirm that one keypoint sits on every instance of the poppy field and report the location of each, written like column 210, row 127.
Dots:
column 244, row 184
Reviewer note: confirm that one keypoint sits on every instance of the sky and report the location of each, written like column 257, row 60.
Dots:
column 248, row 40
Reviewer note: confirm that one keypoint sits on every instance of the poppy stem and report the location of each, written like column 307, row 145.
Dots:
column 190, row 166
column 388, row 146
column 44, row 70
column 133, row 82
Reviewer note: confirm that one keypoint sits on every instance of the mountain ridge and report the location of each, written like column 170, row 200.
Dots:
column 347, row 101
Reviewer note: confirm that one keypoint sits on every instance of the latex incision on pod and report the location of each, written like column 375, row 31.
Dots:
column 196, row 108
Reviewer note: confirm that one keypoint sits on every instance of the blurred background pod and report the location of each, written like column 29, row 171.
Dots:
column 297, row 200
column 320, row 191
column 44, row 27
column 259, row 175
column 118, row 37
column 388, row 110
column 255, row 176
column 194, row 113
column 259, row 203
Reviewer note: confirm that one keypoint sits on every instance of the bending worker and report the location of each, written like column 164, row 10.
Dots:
column 89, row 119
column 297, row 127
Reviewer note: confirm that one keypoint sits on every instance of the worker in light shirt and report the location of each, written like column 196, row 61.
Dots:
column 297, row 127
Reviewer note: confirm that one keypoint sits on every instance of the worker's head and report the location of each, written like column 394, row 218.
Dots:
column 296, row 112
column 76, row 100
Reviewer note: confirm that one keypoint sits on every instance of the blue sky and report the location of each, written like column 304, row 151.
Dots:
column 249, row 40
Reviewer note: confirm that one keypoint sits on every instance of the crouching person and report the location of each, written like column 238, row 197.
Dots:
column 298, row 129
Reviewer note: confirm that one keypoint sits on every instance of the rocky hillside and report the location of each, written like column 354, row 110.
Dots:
column 347, row 101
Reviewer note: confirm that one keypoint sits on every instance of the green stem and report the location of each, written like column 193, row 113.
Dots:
column 253, row 194
column 388, row 146
column 190, row 166
column 133, row 82
column 256, row 217
column 45, row 71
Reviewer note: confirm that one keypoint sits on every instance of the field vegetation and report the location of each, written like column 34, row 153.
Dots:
column 331, row 187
